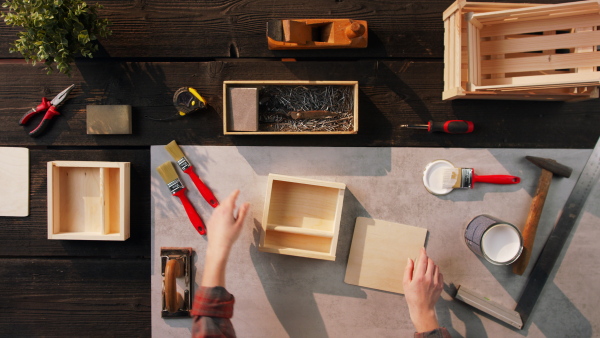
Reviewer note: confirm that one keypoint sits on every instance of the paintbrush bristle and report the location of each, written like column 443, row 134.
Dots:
column 174, row 150
column 451, row 178
column 167, row 172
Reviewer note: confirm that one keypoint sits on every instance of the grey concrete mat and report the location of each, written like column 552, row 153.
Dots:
column 280, row 296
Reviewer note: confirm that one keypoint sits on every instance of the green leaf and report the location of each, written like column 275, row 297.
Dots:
column 55, row 31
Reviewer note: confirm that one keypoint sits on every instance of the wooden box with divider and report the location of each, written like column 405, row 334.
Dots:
column 88, row 200
column 302, row 217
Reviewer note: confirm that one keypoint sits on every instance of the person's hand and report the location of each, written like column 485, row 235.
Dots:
column 422, row 287
column 223, row 228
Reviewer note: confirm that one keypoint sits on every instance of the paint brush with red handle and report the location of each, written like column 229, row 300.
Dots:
column 466, row 178
column 187, row 168
column 169, row 175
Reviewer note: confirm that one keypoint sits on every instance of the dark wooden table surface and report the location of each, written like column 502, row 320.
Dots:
column 75, row 288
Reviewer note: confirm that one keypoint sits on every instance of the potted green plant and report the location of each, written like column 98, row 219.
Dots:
column 56, row 31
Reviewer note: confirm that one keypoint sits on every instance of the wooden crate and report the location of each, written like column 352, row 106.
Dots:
column 543, row 47
column 302, row 217
column 258, row 84
column 456, row 60
column 88, row 200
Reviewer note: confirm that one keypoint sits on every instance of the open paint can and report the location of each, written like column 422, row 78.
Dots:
column 497, row 241
column 433, row 177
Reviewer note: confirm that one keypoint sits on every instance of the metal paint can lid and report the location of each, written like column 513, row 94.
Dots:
column 433, row 177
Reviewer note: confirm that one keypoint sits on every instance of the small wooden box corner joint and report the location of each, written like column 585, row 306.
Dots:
column 88, row 200
column 302, row 217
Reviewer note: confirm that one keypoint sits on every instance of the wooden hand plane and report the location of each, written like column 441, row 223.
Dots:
column 316, row 34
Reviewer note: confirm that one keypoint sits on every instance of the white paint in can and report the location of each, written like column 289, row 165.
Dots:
column 501, row 243
column 497, row 241
column 433, row 177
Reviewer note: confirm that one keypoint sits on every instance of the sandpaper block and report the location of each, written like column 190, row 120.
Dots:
column 242, row 109
column 108, row 119
column 379, row 252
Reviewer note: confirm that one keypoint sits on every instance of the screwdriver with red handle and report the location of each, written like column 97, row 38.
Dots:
column 449, row 127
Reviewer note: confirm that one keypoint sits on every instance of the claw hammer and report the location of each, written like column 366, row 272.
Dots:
column 549, row 169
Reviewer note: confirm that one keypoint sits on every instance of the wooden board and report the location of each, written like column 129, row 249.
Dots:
column 379, row 253
column 391, row 93
column 208, row 29
column 14, row 181
column 75, row 297
column 27, row 237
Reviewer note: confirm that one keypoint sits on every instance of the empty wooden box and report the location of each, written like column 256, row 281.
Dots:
column 228, row 114
column 459, row 65
column 88, row 200
column 302, row 217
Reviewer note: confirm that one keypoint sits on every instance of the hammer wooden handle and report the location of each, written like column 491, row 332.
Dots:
column 173, row 269
column 535, row 211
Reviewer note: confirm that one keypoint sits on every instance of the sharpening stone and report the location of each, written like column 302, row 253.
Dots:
column 242, row 109
column 108, row 119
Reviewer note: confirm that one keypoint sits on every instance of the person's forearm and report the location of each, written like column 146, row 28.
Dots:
column 215, row 264
column 425, row 321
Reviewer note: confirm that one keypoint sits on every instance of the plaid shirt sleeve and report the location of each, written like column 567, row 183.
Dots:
column 441, row 332
column 212, row 311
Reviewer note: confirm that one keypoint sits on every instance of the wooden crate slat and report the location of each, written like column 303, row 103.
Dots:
column 552, row 10
column 537, row 43
column 551, row 24
column 457, row 52
column 588, row 49
column 569, row 79
column 474, row 53
column 541, row 62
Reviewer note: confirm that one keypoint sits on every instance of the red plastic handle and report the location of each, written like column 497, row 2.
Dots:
column 458, row 127
column 41, row 107
column 497, row 179
column 204, row 190
column 191, row 212
column 451, row 127
column 45, row 122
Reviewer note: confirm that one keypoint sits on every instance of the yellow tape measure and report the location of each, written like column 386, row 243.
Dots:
column 187, row 100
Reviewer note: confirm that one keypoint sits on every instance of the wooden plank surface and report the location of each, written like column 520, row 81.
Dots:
column 74, row 288
column 390, row 93
column 73, row 297
column 237, row 28
column 27, row 236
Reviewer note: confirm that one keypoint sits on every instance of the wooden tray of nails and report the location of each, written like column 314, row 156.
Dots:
column 290, row 107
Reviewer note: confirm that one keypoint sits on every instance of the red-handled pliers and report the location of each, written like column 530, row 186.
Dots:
column 50, row 107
